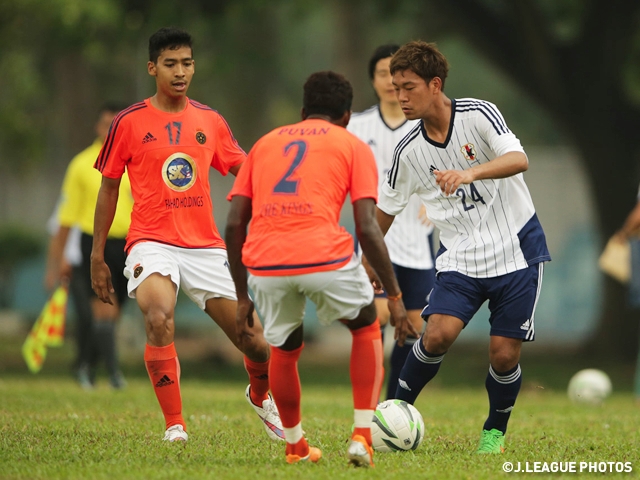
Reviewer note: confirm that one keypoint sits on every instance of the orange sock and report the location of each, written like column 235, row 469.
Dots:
column 163, row 368
column 301, row 448
column 259, row 380
column 285, row 384
column 365, row 432
column 366, row 371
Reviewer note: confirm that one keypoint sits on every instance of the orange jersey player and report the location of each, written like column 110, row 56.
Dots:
column 298, row 177
column 292, row 188
column 168, row 156
column 167, row 144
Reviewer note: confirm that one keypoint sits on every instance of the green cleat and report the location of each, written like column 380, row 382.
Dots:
column 491, row 441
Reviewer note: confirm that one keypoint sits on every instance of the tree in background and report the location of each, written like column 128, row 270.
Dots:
column 576, row 61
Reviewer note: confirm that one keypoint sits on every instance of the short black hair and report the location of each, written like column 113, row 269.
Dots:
column 168, row 38
column 327, row 93
column 422, row 58
column 383, row 51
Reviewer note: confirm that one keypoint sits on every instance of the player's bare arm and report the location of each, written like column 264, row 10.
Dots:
column 384, row 222
column 105, row 211
column 631, row 225
column 371, row 239
column 57, row 268
column 234, row 170
column 235, row 236
column 507, row 165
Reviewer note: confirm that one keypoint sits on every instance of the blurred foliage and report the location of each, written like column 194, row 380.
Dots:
column 64, row 58
column 561, row 71
column 17, row 244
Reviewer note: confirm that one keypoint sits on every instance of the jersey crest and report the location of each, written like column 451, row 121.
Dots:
column 469, row 152
column 179, row 172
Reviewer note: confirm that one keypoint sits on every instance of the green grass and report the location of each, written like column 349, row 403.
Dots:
column 49, row 428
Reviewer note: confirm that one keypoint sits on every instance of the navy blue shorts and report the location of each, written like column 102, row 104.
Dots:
column 415, row 286
column 512, row 299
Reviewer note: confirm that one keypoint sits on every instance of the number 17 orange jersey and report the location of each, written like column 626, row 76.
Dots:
column 298, row 177
column 167, row 157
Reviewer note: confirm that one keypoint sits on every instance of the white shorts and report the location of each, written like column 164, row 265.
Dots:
column 203, row 273
column 338, row 294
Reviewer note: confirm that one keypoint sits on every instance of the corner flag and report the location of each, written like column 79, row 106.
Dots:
column 47, row 331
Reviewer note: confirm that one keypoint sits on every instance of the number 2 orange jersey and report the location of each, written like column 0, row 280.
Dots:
column 298, row 177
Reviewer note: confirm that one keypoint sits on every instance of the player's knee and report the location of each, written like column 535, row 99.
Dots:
column 438, row 338
column 503, row 360
column 366, row 317
column 256, row 349
column 158, row 321
column 437, row 341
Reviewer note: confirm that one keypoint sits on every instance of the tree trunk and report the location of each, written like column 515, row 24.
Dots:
column 616, row 334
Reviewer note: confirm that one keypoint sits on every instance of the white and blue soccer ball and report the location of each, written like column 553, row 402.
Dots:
column 589, row 386
column 396, row 426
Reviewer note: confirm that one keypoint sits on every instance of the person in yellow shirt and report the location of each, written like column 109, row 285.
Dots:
column 96, row 336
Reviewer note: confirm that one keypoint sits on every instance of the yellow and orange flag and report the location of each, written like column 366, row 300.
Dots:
column 48, row 331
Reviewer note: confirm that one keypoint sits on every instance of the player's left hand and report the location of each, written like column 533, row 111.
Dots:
column 244, row 319
column 450, row 180
column 66, row 270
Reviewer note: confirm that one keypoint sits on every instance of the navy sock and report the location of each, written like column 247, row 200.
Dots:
column 419, row 368
column 105, row 332
column 398, row 357
column 503, row 389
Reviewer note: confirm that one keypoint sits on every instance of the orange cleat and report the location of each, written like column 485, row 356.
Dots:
column 360, row 452
column 314, row 455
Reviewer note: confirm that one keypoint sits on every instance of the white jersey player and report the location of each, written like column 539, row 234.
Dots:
column 488, row 227
column 466, row 166
column 408, row 240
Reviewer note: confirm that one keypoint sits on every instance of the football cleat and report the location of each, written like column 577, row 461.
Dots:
column 175, row 433
column 491, row 441
column 269, row 415
column 313, row 456
column 360, row 452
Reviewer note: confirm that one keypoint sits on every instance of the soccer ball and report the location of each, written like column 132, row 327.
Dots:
column 396, row 425
column 589, row 386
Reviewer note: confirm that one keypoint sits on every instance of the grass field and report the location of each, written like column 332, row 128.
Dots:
column 51, row 429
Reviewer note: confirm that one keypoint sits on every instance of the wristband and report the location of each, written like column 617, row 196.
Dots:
column 395, row 297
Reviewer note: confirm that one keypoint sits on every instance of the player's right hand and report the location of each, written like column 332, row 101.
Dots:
column 401, row 322
column 101, row 280
column 423, row 217
column 244, row 319
column 373, row 276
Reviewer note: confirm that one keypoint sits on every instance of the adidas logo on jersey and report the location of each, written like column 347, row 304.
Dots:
column 431, row 169
column 526, row 325
column 148, row 138
column 164, row 382
column 371, row 142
